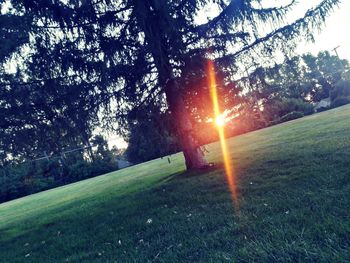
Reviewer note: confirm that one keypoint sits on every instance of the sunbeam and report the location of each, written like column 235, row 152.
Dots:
column 227, row 161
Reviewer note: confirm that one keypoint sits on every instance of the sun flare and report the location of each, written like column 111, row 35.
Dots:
column 220, row 121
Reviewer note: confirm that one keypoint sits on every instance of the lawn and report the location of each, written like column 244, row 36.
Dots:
column 294, row 194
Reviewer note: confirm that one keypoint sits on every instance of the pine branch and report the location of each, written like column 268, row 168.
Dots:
column 291, row 30
column 236, row 10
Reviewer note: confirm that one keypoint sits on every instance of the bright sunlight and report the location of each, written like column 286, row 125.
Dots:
column 219, row 120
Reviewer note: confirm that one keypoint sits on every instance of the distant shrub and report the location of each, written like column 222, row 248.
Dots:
column 323, row 109
column 278, row 108
column 340, row 101
column 291, row 116
column 23, row 179
column 300, row 106
column 88, row 170
column 274, row 122
column 341, row 90
column 287, row 117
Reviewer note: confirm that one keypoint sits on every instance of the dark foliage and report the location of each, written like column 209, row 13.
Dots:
column 323, row 109
column 24, row 179
column 297, row 84
column 341, row 89
column 150, row 135
column 21, row 179
column 340, row 101
column 292, row 116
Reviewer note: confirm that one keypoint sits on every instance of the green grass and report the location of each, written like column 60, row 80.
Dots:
column 294, row 195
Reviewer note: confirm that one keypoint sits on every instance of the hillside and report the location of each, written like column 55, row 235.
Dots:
column 294, row 194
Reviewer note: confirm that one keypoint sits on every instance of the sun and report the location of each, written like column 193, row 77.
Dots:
column 220, row 121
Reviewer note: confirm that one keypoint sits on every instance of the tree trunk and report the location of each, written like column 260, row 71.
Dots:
column 194, row 157
column 154, row 20
column 89, row 149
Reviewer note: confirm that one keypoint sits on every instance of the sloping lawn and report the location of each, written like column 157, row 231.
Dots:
column 294, row 194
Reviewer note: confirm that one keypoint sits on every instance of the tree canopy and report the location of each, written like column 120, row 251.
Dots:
column 100, row 61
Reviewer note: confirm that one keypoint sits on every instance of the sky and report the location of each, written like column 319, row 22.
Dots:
column 335, row 33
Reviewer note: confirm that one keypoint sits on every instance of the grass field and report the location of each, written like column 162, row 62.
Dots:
column 294, row 195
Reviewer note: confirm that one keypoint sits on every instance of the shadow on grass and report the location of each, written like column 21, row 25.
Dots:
column 217, row 167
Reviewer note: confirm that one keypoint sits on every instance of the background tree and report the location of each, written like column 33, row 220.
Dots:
column 37, row 119
column 129, row 53
column 150, row 135
column 340, row 95
column 102, row 151
column 293, row 85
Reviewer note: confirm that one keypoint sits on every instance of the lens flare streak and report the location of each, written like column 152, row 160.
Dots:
column 227, row 161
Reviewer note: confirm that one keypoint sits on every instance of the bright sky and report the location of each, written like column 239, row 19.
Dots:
column 335, row 33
